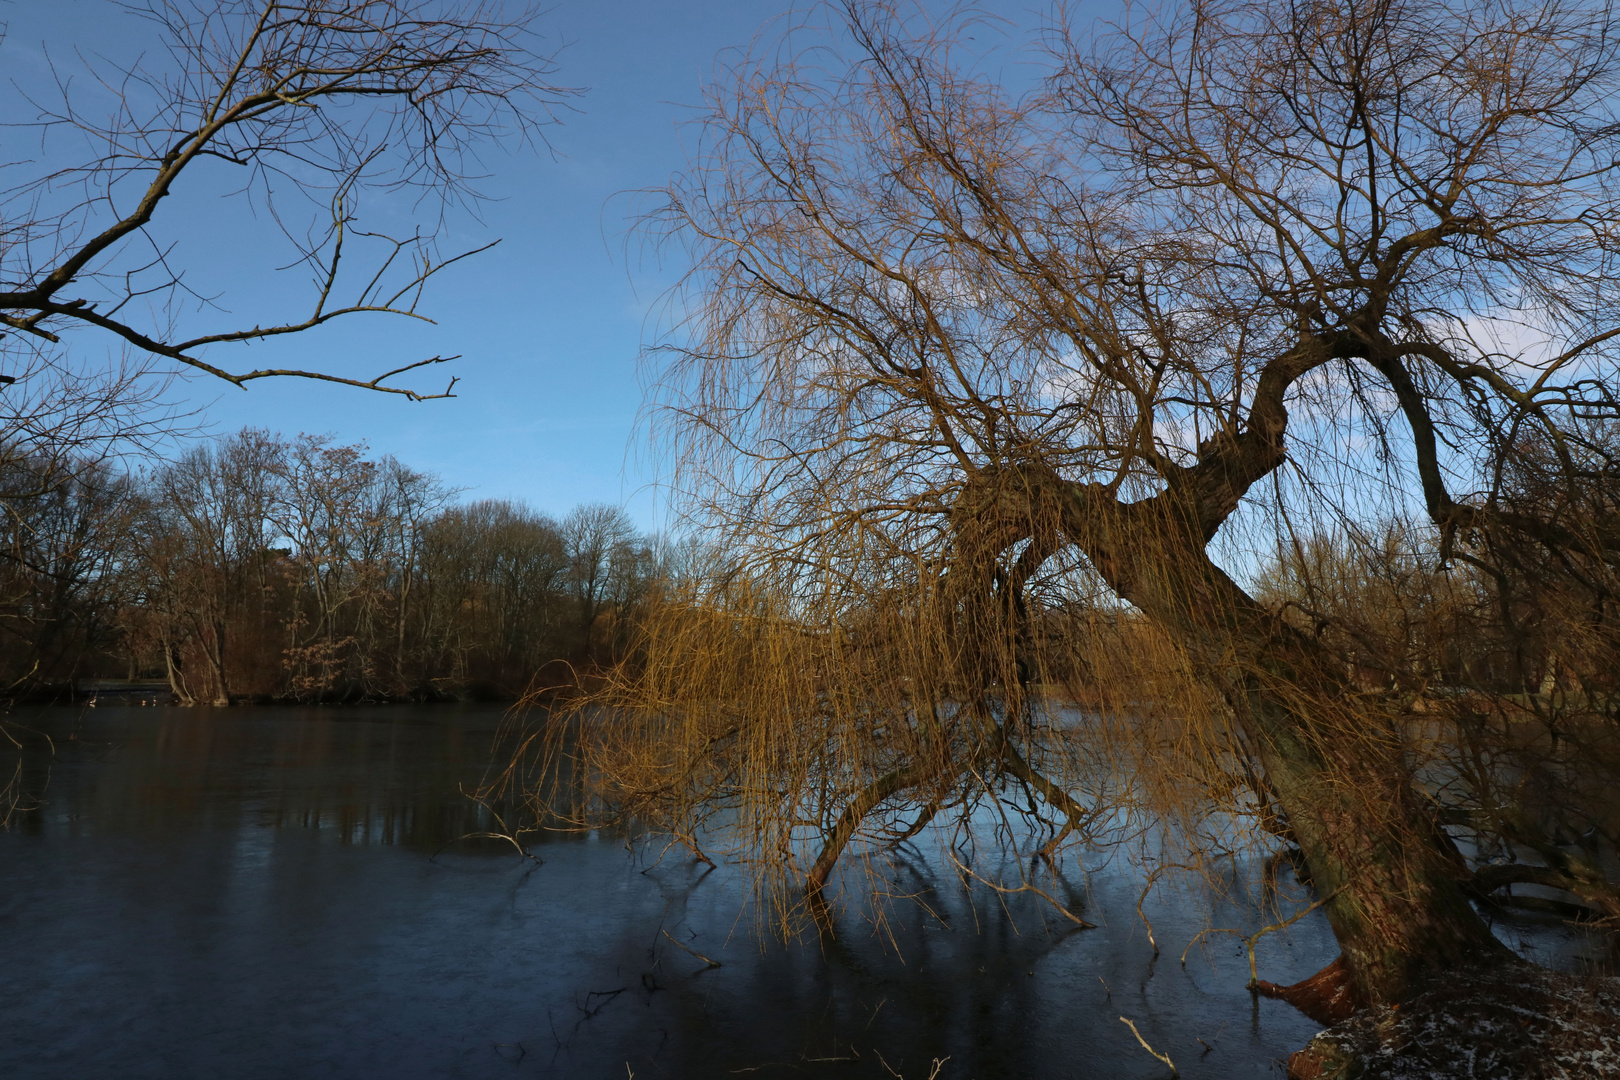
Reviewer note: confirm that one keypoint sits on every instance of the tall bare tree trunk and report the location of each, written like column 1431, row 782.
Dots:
column 216, row 660
column 177, row 680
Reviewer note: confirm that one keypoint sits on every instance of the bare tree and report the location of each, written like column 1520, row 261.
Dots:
column 62, row 553
column 324, row 508
column 311, row 105
column 954, row 363
column 269, row 567
column 495, row 606
column 412, row 500
column 592, row 534
column 204, row 550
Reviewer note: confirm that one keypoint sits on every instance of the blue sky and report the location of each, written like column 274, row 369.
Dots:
column 550, row 323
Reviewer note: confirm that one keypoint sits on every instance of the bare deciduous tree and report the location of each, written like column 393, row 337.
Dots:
column 592, row 536
column 204, row 550
column 311, row 105
column 955, row 363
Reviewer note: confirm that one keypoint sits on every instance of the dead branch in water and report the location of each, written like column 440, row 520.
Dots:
column 1162, row 1057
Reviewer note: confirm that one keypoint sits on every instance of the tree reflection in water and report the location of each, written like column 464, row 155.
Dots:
column 254, row 892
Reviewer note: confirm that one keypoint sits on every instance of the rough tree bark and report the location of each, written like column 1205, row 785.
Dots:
column 1391, row 879
column 1393, row 892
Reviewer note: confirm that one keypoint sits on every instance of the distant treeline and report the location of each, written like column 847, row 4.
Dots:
column 256, row 566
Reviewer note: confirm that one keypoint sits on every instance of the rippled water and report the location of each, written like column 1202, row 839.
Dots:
column 255, row 893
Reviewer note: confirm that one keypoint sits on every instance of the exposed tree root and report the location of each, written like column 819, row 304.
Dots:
column 1327, row 997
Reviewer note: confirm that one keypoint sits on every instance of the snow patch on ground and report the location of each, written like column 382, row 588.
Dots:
column 1516, row 1023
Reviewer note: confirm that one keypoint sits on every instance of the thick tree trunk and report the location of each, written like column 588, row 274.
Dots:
column 1395, row 897
column 1391, row 881
column 1333, row 759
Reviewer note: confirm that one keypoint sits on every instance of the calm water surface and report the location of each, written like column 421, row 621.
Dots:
column 255, row 893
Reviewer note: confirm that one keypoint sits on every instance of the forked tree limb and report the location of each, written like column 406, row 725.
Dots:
column 898, row 780
column 305, row 95
column 1075, row 815
column 855, row 812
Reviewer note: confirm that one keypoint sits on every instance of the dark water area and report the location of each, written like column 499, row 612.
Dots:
column 260, row 892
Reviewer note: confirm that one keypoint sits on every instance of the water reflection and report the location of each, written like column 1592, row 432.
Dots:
column 362, row 776
column 255, row 892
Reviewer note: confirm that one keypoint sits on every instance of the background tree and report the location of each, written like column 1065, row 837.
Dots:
column 592, row 537
column 63, row 551
column 326, row 509
column 210, row 536
column 413, row 499
column 255, row 566
column 497, row 609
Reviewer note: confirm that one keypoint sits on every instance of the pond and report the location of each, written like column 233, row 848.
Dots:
column 266, row 892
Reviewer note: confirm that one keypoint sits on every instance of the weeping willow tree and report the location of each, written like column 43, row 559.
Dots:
column 982, row 392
